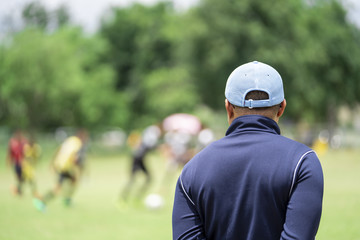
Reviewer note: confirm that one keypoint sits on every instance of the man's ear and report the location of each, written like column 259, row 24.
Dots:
column 281, row 109
column 230, row 111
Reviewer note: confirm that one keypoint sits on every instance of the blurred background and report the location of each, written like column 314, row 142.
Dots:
column 117, row 67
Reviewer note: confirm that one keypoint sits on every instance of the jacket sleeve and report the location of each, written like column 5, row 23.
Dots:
column 186, row 222
column 305, row 200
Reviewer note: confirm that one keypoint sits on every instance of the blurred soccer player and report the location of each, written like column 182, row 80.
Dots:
column 18, row 157
column 15, row 158
column 142, row 145
column 66, row 165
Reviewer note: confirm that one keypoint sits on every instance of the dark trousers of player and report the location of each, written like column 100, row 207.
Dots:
column 138, row 165
column 63, row 176
column 21, row 180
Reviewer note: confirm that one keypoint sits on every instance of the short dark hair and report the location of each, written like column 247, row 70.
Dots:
column 257, row 95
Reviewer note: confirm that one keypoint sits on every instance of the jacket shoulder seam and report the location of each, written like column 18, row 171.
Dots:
column 297, row 168
column 186, row 194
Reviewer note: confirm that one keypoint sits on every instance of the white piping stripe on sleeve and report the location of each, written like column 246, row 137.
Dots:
column 182, row 186
column 296, row 169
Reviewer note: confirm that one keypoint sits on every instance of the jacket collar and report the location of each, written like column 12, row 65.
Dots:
column 253, row 123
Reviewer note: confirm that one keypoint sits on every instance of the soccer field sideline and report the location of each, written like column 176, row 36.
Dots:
column 95, row 213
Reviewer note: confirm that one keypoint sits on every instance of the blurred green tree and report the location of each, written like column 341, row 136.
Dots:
column 35, row 14
column 311, row 44
column 219, row 36
column 50, row 80
column 62, row 16
column 168, row 90
column 150, row 61
column 329, row 60
column 141, row 52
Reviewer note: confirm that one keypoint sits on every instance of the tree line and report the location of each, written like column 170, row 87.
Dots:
column 146, row 62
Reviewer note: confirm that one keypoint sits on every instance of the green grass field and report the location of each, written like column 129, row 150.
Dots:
column 95, row 214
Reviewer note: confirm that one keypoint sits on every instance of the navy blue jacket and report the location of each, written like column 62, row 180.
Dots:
column 251, row 184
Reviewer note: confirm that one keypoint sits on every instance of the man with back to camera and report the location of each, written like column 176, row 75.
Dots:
column 253, row 183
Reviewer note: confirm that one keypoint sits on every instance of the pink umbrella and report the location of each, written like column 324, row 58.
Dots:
column 182, row 122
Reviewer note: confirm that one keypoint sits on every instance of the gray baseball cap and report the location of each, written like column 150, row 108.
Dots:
column 254, row 76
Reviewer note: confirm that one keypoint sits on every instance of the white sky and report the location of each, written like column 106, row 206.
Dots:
column 88, row 12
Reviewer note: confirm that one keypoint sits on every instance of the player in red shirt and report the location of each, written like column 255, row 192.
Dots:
column 15, row 157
